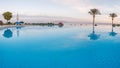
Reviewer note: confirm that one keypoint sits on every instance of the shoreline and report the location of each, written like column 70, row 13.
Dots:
column 8, row 26
column 79, row 24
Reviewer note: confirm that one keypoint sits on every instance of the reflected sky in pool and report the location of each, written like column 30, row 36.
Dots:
column 65, row 47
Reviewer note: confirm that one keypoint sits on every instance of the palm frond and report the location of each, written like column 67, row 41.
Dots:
column 94, row 12
column 113, row 15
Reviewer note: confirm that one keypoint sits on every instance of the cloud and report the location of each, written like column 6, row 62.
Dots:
column 42, row 19
column 67, row 8
column 80, row 5
column 83, row 6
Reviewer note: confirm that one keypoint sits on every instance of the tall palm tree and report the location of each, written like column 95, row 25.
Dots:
column 94, row 12
column 113, row 15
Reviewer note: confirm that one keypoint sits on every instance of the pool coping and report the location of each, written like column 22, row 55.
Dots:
column 8, row 26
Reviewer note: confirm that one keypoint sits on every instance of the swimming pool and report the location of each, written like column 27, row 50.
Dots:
column 65, row 47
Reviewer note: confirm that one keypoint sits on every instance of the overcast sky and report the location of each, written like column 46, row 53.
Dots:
column 76, row 9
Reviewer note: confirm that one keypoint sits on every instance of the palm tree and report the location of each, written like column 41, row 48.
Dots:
column 113, row 15
column 94, row 12
column 7, row 16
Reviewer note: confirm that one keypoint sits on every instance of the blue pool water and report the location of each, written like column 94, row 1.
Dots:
column 65, row 47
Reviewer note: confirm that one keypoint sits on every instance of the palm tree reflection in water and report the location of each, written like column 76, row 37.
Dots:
column 93, row 35
column 8, row 33
column 112, row 33
column 18, row 30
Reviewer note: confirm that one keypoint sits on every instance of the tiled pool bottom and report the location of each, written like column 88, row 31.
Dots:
column 66, row 47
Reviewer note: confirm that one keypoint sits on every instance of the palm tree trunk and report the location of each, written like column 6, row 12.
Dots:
column 112, row 28
column 112, row 20
column 93, row 23
column 7, row 22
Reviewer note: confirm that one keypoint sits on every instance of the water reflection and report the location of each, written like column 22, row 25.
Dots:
column 60, row 24
column 93, row 35
column 18, row 30
column 8, row 33
column 18, row 27
column 112, row 33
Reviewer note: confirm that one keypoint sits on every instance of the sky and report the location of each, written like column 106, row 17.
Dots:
column 60, row 10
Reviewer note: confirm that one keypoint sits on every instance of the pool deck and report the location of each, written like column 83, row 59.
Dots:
column 8, row 26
